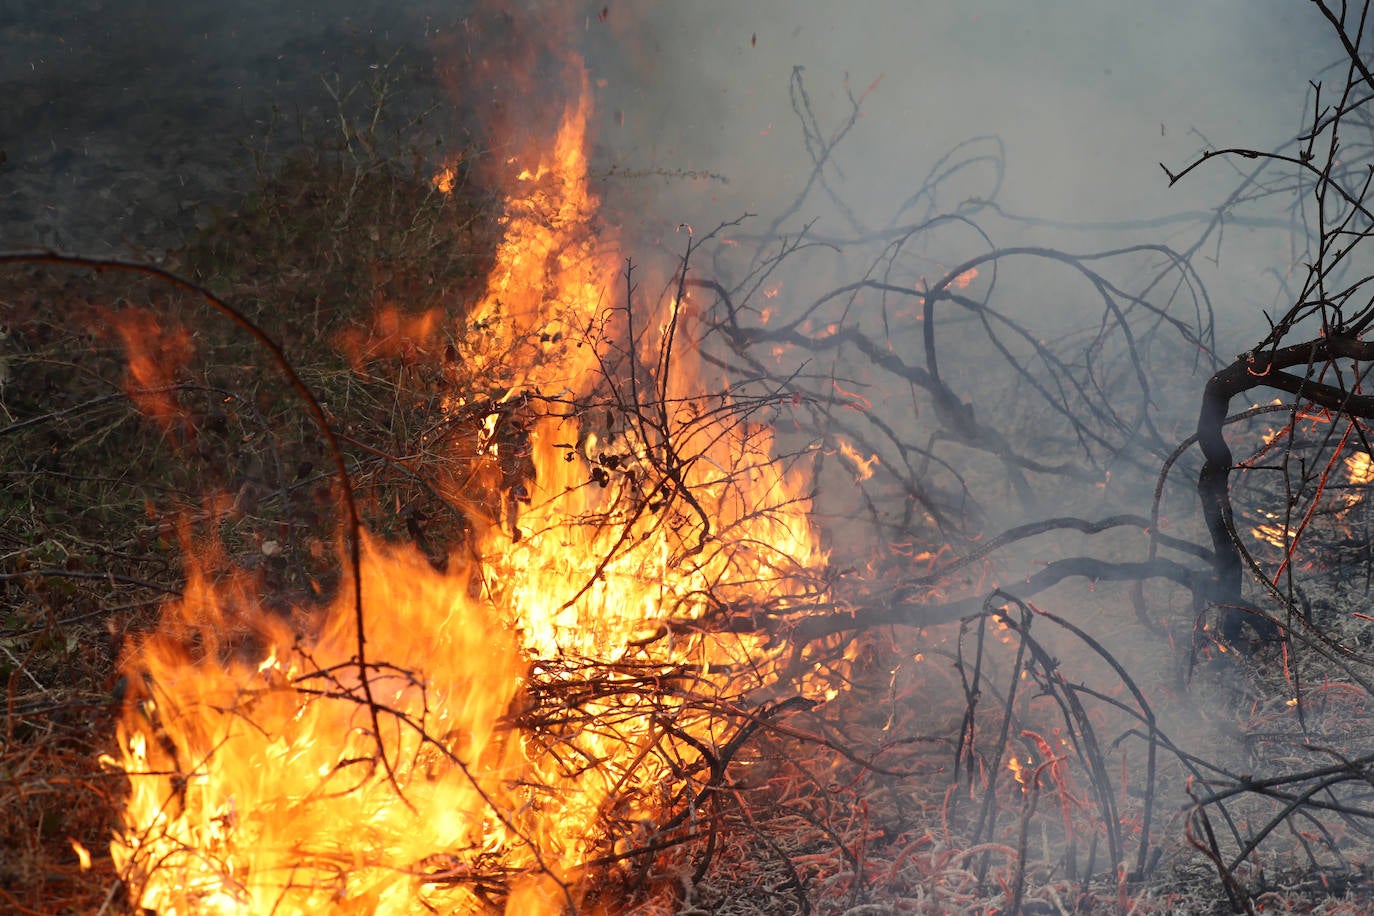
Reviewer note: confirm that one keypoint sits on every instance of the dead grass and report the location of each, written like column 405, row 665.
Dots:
column 98, row 496
column 364, row 272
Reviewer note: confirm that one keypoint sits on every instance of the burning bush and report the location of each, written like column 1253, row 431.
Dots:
column 548, row 594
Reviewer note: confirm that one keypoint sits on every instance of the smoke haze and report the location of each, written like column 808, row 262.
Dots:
column 1087, row 98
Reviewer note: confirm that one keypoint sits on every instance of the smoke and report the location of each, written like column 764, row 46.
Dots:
column 1088, row 97
column 703, row 119
column 1076, row 104
column 698, row 123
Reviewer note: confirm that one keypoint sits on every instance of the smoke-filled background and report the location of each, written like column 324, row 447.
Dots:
column 1086, row 99
column 1059, row 114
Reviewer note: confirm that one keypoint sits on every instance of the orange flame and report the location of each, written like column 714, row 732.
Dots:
column 83, row 855
column 1017, row 770
column 863, row 467
column 277, row 797
column 1274, row 533
column 156, row 354
column 393, row 333
column 445, row 179
column 256, row 785
column 1359, row 469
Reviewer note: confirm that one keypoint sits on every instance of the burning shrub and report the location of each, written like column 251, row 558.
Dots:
column 513, row 606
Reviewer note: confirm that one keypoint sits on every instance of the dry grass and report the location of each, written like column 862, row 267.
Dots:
column 98, row 496
column 886, row 800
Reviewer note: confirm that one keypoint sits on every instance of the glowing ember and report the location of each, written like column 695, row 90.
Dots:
column 257, row 786
column 964, row 279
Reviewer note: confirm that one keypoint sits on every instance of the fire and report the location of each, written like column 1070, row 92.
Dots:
column 549, row 282
column 1017, row 769
column 257, row 785
column 277, row 794
column 83, row 855
column 393, row 333
column 1359, row 472
column 156, row 354
column 863, row 467
column 1273, row 533
column 1359, row 469
column 444, row 180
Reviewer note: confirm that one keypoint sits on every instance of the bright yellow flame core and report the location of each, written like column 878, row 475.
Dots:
column 1359, row 468
column 264, row 793
column 279, row 789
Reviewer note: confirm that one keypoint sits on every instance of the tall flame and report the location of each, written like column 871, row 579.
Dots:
column 257, row 786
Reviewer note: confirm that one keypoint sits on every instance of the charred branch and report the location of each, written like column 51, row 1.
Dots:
column 916, row 613
column 1261, row 370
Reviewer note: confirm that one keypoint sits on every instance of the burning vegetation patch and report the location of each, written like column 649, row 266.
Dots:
column 528, row 704
column 458, row 563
